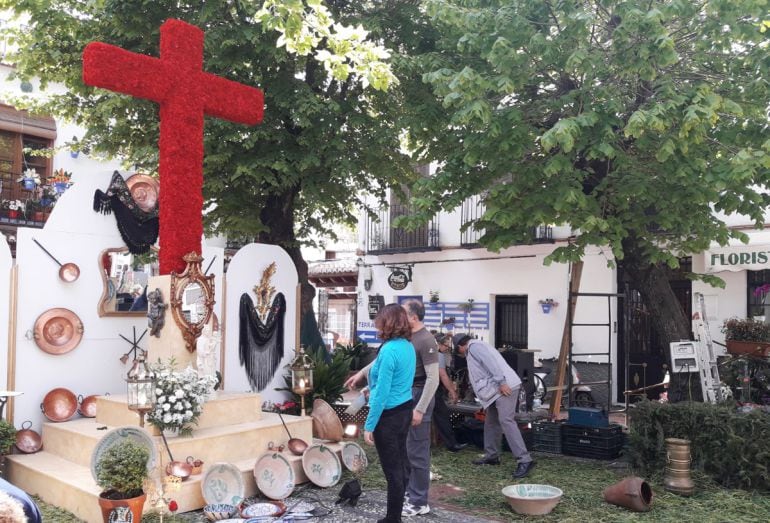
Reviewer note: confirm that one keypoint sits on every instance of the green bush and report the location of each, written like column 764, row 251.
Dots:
column 731, row 447
column 328, row 379
column 7, row 437
column 123, row 468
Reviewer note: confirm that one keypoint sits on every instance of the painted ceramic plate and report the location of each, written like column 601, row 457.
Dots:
column 321, row 465
column 263, row 509
column 301, row 507
column 221, row 483
column 136, row 434
column 353, row 457
column 259, row 519
column 58, row 331
column 144, row 190
column 274, row 475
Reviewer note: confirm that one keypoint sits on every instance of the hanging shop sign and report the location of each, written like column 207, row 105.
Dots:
column 376, row 303
column 738, row 258
column 399, row 278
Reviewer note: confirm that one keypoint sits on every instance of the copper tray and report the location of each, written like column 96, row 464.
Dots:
column 58, row 331
column 59, row 404
column 145, row 191
column 27, row 440
column 326, row 422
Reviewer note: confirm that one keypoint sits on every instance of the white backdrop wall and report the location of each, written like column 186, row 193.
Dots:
column 243, row 273
column 75, row 233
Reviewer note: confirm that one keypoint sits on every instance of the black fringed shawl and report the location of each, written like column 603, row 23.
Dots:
column 139, row 229
column 261, row 344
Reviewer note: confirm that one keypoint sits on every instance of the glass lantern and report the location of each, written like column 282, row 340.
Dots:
column 140, row 385
column 302, row 375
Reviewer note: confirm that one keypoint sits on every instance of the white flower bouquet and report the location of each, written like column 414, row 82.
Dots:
column 179, row 397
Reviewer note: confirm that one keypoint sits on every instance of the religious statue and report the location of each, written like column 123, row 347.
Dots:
column 208, row 349
column 156, row 312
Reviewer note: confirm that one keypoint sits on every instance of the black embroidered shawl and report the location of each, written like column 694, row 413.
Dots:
column 138, row 228
column 260, row 344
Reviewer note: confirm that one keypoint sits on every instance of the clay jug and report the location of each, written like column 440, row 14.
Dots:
column 632, row 493
column 677, row 474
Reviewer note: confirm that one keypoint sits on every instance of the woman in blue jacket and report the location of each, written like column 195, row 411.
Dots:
column 390, row 403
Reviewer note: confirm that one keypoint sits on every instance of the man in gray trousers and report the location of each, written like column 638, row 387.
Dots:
column 496, row 385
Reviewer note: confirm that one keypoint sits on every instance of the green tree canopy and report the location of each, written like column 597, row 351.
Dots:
column 325, row 140
column 637, row 123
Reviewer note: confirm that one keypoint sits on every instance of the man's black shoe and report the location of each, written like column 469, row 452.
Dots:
column 523, row 470
column 457, row 448
column 486, row 461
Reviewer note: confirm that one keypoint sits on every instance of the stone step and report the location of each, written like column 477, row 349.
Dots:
column 223, row 408
column 70, row 486
column 75, row 440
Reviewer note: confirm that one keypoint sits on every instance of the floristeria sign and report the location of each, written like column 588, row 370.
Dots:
column 738, row 258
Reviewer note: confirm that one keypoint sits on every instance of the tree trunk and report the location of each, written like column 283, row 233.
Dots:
column 652, row 281
column 278, row 216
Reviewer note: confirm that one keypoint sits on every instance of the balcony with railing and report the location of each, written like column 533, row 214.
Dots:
column 23, row 205
column 473, row 208
column 383, row 238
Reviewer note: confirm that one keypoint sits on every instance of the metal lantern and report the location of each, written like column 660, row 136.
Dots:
column 302, row 375
column 140, row 386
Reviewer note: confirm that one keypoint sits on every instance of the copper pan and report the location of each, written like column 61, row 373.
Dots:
column 180, row 469
column 68, row 272
column 27, row 440
column 87, row 407
column 59, row 404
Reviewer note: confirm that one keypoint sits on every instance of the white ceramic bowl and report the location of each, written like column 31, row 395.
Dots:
column 531, row 499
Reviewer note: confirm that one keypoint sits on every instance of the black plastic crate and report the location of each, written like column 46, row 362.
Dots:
column 547, row 436
column 592, row 442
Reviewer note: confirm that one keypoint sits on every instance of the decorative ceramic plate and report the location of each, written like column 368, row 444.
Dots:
column 221, row 483
column 326, row 422
column 263, row 509
column 259, row 519
column 274, row 475
column 144, row 190
column 58, row 331
column 353, row 457
column 301, row 507
column 321, row 465
column 59, row 404
column 115, row 436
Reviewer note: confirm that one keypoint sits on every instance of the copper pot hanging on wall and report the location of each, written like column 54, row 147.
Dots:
column 677, row 477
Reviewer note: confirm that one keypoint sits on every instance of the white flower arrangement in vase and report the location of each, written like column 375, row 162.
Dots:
column 29, row 174
column 179, row 397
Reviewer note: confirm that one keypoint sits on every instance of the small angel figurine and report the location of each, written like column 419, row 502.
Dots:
column 156, row 312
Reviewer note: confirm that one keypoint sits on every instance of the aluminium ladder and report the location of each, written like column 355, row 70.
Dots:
column 709, row 370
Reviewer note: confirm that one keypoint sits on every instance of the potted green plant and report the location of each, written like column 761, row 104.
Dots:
column 747, row 336
column 33, row 210
column 121, row 472
column 7, row 440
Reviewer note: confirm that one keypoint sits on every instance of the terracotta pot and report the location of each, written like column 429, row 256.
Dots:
column 632, row 493
column 757, row 349
column 134, row 506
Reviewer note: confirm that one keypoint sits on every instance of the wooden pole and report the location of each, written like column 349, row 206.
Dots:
column 11, row 371
column 561, row 366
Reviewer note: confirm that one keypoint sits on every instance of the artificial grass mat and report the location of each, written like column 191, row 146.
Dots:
column 581, row 480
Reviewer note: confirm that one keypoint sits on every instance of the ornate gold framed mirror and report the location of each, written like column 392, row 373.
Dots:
column 192, row 299
column 124, row 281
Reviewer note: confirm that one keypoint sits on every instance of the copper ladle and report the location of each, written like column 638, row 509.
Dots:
column 296, row 445
column 68, row 272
